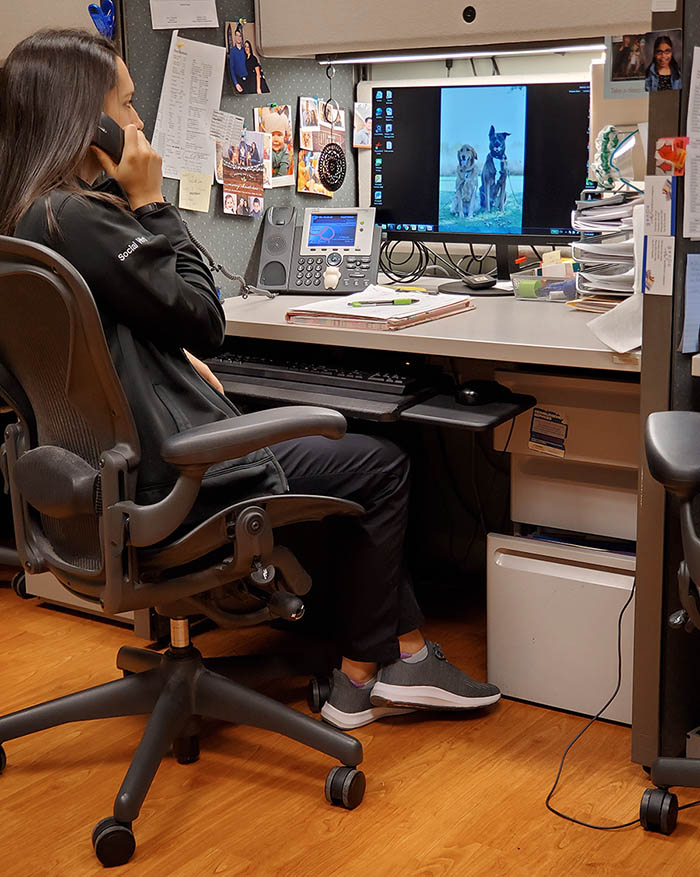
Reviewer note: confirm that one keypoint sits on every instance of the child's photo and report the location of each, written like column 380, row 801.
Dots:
column 663, row 52
column 276, row 121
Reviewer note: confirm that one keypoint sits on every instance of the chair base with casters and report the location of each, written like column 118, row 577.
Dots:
column 673, row 455
column 176, row 689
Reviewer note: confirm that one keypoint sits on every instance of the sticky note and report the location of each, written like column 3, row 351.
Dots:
column 195, row 189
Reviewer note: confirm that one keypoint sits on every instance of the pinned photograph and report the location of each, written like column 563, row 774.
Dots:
column 628, row 57
column 362, row 126
column 243, row 173
column 243, row 60
column 308, row 180
column 277, row 122
column 308, row 114
column 663, row 53
column 331, row 114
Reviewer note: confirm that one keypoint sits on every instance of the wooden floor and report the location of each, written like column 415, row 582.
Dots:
column 446, row 794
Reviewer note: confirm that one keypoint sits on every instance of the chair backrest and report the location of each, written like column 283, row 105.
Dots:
column 53, row 353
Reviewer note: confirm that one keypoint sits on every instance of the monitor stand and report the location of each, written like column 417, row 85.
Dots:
column 506, row 254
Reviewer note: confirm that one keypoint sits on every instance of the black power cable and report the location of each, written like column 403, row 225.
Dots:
column 612, row 697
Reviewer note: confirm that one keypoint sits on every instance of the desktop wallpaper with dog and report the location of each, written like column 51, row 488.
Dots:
column 482, row 159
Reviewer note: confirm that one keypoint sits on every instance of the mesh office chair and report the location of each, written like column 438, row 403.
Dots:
column 673, row 455
column 71, row 461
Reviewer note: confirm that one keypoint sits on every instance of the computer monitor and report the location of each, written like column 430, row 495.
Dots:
column 497, row 160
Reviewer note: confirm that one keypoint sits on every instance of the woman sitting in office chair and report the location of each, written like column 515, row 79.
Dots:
column 156, row 297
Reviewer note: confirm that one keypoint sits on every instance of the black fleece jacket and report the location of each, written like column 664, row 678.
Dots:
column 155, row 296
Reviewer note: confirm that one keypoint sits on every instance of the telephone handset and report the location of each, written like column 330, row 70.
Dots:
column 333, row 251
column 109, row 137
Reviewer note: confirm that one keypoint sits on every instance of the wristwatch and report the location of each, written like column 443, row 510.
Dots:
column 145, row 209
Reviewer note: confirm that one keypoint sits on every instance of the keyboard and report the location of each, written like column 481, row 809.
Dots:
column 296, row 371
column 370, row 384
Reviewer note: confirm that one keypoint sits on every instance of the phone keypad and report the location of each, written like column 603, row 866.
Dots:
column 310, row 269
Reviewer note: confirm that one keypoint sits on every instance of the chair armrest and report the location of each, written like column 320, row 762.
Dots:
column 238, row 436
column 673, row 450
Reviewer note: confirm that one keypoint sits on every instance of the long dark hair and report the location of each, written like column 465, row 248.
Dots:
column 52, row 90
column 673, row 64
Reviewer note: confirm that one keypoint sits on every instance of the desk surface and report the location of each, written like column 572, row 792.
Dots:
column 500, row 329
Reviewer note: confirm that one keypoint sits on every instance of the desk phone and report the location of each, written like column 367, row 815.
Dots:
column 333, row 251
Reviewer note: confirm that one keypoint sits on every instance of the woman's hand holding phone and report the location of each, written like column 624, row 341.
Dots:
column 140, row 170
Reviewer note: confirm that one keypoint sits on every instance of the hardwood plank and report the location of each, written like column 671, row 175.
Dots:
column 447, row 794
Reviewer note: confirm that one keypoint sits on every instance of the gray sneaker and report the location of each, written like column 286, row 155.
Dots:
column 349, row 706
column 432, row 683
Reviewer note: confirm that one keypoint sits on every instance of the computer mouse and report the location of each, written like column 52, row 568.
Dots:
column 480, row 392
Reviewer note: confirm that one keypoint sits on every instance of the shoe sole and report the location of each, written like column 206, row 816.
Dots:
column 349, row 721
column 427, row 697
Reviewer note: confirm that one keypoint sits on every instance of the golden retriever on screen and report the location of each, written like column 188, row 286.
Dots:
column 466, row 197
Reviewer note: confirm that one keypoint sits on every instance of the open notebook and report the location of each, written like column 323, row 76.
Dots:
column 357, row 311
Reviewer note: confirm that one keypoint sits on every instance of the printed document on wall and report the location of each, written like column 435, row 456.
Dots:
column 167, row 14
column 190, row 94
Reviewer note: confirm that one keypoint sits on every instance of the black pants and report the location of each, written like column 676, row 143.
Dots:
column 374, row 598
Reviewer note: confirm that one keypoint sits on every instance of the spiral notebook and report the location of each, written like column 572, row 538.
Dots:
column 356, row 311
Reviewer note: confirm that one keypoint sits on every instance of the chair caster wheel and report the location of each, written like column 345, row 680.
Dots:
column 345, row 787
column 658, row 811
column 19, row 586
column 186, row 749
column 113, row 841
column 3, row 760
column 318, row 693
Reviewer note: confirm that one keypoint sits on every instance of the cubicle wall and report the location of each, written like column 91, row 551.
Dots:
column 667, row 662
column 232, row 239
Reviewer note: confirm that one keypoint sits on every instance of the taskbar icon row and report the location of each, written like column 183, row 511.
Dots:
column 402, row 226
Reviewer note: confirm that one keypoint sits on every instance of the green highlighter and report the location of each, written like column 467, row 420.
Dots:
column 383, row 301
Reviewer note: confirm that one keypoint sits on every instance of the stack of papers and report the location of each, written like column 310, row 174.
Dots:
column 607, row 259
column 605, row 215
column 379, row 307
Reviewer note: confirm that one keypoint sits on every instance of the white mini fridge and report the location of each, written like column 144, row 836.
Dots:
column 552, row 611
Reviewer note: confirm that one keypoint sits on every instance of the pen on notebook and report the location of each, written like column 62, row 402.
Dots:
column 383, row 301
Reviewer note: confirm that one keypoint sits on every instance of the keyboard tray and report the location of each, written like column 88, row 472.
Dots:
column 362, row 404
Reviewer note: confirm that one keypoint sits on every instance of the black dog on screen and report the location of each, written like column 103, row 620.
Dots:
column 494, row 174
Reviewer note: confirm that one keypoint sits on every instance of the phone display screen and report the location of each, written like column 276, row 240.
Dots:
column 332, row 230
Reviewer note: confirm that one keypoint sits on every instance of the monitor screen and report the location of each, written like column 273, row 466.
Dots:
column 332, row 230
column 479, row 162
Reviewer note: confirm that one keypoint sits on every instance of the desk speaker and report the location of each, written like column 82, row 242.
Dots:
column 276, row 249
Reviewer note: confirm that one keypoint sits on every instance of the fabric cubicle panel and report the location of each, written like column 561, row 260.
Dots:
column 232, row 239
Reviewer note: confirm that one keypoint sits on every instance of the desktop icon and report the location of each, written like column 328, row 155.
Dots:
column 388, row 145
column 421, row 228
column 388, row 94
column 378, row 144
column 378, row 195
column 429, row 228
column 413, row 228
column 378, row 161
column 391, row 226
column 378, row 128
column 389, row 111
column 377, row 178
column 378, row 111
column 378, row 95
column 389, row 128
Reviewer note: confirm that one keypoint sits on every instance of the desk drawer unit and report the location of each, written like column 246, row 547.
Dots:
column 575, row 456
column 552, row 613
